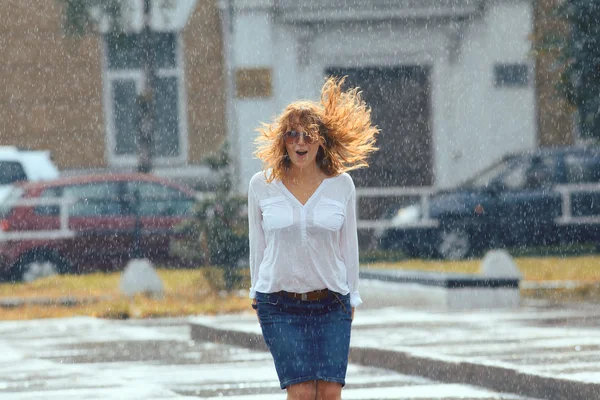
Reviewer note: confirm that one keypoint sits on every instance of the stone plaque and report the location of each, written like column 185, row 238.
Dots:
column 253, row 82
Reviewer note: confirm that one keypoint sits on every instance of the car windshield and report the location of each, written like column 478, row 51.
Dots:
column 488, row 175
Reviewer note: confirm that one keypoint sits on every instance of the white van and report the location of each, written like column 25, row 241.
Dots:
column 17, row 165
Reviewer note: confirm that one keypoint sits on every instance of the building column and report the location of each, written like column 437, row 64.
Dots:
column 248, row 46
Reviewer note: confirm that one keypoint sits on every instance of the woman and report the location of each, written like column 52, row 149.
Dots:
column 303, row 238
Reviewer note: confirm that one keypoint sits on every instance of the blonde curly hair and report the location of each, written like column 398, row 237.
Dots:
column 341, row 120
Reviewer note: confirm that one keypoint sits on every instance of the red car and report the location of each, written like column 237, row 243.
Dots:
column 89, row 223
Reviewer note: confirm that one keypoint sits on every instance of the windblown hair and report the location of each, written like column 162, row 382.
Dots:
column 341, row 119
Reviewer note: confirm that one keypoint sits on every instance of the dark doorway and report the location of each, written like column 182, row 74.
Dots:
column 399, row 98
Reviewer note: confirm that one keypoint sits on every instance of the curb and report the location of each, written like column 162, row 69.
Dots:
column 14, row 302
column 253, row 341
column 492, row 377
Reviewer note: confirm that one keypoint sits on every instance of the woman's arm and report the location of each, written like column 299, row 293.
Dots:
column 256, row 239
column 349, row 247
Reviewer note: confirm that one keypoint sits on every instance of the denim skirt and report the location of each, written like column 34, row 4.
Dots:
column 309, row 340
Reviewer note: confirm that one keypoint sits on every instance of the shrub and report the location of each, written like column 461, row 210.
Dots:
column 218, row 234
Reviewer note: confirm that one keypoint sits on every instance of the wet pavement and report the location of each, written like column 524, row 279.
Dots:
column 534, row 350
column 87, row 358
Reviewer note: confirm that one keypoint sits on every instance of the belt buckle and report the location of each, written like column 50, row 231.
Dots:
column 304, row 296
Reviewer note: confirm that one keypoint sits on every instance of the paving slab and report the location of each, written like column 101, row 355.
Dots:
column 537, row 351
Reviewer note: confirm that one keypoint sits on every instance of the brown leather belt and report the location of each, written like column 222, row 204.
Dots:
column 315, row 295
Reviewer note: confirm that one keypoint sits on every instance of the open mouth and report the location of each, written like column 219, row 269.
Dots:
column 301, row 153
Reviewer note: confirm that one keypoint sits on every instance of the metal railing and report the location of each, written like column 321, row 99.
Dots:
column 62, row 232
column 425, row 193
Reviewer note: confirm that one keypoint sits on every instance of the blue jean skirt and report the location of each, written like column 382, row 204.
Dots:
column 309, row 340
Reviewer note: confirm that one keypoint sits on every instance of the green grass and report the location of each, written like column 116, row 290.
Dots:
column 186, row 292
column 199, row 291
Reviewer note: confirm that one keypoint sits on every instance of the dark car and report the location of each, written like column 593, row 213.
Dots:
column 547, row 196
column 90, row 223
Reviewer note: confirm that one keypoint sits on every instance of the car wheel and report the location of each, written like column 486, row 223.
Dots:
column 38, row 265
column 453, row 243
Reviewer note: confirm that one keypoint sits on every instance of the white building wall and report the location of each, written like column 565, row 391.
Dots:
column 486, row 121
column 510, row 42
column 289, row 80
column 253, row 47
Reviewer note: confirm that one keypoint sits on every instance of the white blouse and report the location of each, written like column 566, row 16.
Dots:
column 300, row 248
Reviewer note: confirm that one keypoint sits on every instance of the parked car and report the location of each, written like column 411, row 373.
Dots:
column 17, row 165
column 547, row 196
column 104, row 221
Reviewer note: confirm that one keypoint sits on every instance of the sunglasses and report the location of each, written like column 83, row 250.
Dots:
column 293, row 137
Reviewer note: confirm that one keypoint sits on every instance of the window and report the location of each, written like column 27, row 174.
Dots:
column 541, row 173
column 6, row 206
column 515, row 178
column 11, row 172
column 535, row 173
column 582, row 169
column 95, row 199
column 124, row 71
column 160, row 200
column 50, row 210
column 488, row 176
column 123, row 100
column 511, row 75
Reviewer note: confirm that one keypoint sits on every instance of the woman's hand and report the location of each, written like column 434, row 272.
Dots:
column 353, row 313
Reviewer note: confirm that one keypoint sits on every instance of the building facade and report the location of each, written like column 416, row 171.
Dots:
column 75, row 96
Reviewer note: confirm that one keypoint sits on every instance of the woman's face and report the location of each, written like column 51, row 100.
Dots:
column 300, row 147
